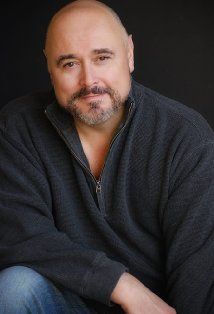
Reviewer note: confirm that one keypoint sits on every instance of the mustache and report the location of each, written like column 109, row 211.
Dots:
column 93, row 90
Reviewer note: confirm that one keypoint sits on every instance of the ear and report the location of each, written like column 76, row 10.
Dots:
column 130, row 54
column 45, row 54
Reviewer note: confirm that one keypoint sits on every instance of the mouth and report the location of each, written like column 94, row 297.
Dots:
column 91, row 96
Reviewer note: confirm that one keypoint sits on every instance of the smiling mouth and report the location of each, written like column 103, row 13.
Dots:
column 92, row 95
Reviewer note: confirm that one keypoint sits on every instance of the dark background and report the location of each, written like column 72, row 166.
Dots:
column 174, row 47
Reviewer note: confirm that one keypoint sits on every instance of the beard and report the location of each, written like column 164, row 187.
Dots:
column 95, row 114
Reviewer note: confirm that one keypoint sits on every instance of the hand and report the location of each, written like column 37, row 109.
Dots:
column 135, row 298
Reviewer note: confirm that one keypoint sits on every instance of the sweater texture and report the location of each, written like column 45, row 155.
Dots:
column 151, row 212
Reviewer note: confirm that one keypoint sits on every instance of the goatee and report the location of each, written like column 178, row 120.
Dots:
column 95, row 114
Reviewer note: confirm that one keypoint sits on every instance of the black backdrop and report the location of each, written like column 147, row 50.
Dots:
column 174, row 47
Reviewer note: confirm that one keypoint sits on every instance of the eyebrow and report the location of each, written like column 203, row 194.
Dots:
column 73, row 56
column 103, row 50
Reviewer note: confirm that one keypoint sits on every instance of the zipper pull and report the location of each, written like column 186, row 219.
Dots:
column 98, row 187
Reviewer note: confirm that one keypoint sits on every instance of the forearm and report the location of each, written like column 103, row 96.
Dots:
column 134, row 297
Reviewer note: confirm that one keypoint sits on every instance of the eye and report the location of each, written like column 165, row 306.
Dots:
column 69, row 64
column 103, row 58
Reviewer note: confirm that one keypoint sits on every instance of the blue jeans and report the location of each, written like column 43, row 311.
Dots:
column 23, row 290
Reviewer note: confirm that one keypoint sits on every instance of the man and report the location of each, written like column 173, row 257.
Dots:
column 107, row 188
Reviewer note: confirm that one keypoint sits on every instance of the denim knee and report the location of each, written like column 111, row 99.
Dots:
column 18, row 285
column 23, row 291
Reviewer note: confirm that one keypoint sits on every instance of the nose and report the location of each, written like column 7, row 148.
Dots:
column 88, row 75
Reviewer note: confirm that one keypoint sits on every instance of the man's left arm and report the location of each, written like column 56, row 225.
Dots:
column 188, row 228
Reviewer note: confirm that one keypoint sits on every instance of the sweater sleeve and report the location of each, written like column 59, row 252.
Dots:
column 188, row 227
column 29, row 237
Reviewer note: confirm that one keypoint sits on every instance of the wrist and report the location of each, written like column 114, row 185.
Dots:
column 122, row 291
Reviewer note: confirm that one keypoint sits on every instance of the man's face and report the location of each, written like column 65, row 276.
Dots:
column 90, row 63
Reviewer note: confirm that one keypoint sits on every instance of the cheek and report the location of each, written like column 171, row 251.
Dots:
column 120, row 71
column 62, row 82
column 122, row 81
column 119, row 76
column 64, row 87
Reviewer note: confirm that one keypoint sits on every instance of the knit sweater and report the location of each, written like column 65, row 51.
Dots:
column 151, row 212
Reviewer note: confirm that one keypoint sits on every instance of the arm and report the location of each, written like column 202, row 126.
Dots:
column 134, row 297
column 188, row 228
column 28, row 235
column 188, row 224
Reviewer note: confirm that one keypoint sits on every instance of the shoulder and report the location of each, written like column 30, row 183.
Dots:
column 170, row 115
column 25, row 107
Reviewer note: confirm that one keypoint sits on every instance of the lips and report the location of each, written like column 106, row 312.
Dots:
column 91, row 96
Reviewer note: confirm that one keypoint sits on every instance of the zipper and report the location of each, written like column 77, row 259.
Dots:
column 98, row 187
column 97, row 182
column 111, row 144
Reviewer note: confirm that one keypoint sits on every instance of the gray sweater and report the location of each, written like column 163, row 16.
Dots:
column 151, row 213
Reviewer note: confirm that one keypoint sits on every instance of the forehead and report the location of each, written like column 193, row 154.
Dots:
column 84, row 31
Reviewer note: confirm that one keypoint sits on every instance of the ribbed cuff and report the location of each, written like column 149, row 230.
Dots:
column 102, row 278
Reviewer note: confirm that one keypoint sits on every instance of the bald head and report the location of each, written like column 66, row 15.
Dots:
column 89, row 51
column 87, row 8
